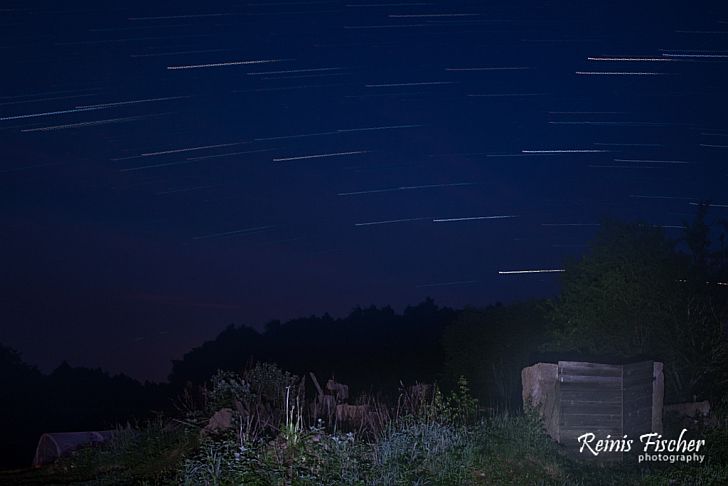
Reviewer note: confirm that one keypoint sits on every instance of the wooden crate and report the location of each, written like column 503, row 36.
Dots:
column 606, row 400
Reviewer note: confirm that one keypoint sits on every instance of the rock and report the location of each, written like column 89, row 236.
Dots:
column 221, row 421
column 340, row 391
column 352, row 414
column 539, row 391
column 538, row 381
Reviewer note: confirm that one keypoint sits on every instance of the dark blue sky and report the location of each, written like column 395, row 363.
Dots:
column 169, row 168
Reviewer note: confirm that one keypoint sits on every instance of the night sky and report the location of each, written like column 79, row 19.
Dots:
column 169, row 168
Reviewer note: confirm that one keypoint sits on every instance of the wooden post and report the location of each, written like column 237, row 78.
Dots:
column 316, row 384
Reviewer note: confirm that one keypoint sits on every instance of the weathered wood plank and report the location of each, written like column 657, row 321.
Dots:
column 637, row 385
column 604, row 400
column 637, row 399
column 642, row 384
column 635, row 373
column 616, row 380
column 635, row 420
column 591, row 392
column 637, row 378
column 586, row 365
column 589, row 369
column 588, row 400
column 591, row 422
column 571, row 433
column 594, row 407
column 634, row 412
column 590, row 385
column 634, row 392
column 638, row 366
column 596, row 374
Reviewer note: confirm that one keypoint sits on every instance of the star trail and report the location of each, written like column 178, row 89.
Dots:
column 218, row 152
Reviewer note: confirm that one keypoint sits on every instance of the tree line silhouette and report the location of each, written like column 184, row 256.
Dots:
column 634, row 294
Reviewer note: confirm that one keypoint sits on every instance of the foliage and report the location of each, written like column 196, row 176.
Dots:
column 408, row 347
column 459, row 408
column 225, row 389
column 429, row 443
column 269, row 382
column 616, row 299
column 490, row 347
column 634, row 295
